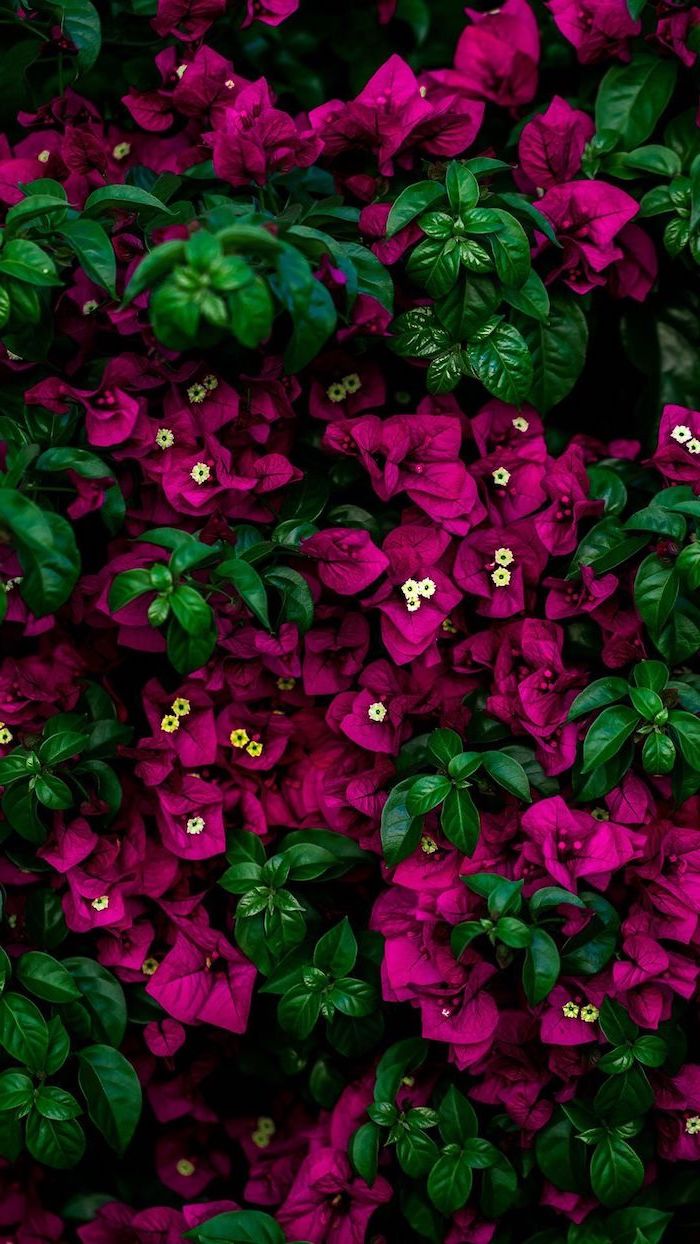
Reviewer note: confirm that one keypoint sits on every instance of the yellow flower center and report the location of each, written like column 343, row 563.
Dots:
column 570, row 1010
column 181, row 707
column 90, row 306
column 254, row 748
column 44, row 157
column 600, row 814
column 149, row 967
column 6, row 735
column 681, row 433
column 260, row 1139
column 692, row 1125
column 180, row 70
column 428, row 845
column 589, row 1013
column 165, row 438
column 195, row 824
column 414, row 589
column 185, row 1167
column 170, row 723
column 229, row 84
column 500, row 477
column 422, row 91
column 286, row 684
column 101, row 903
column 200, row 473
column 500, row 577
column 448, row 626
column 352, row 383
column 239, row 738
column 121, row 151
column 693, row 445
column 377, row 711
column 503, row 557
column 211, row 382
column 196, row 393
column 266, row 1125
column 520, row 424
column 336, row 392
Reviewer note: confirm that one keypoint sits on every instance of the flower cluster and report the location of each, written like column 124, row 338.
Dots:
column 350, row 599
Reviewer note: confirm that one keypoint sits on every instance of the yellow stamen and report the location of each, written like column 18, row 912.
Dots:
column 181, row 707
column 239, row 738
column 165, row 438
column 377, row 711
column 200, row 473
column 254, row 748
column 101, row 903
column 170, row 723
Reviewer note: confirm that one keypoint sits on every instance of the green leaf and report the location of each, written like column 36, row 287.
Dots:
column 336, row 951
column 411, row 203
column 45, row 977
column 616, row 1023
column 632, row 97
column 364, row 1152
column 299, row 1010
column 46, row 549
column 158, row 263
column 658, row 754
column 502, row 362
column 245, row 1226
column 353, row 997
column 16, row 1091
column 400, row 830
column 467, row 306
column 449, row 1183
column 444, row 744
column 426, row 793
column 651, row 674
column 92, row 248
column 188, row 652
column 598, row 694
column 249, row 586
column 651, row 1051
column 80, row 21
column 128, row 586
column 112, row 1092
column 59, row 1143
column 541, row 967
column 531, row 298
column 456, row 1118
column 462, row 187
column 434, row 264
column 686, row 727
column 373, row 278
column 308, row 303
column 616, row 1170
column 123, row 199
column 561, row 1157
column 23, row 1031
column 252, row 312
column 297, row 601
column 52, row 792
column 102, row 996
column 558, row 351
column 646, row 702
column 607, row 734
column 56, row 1103
column 61, row 746
column 655, row 592
column 511, row 251
column 459, row 820
column 191, row 610
column 508, row 773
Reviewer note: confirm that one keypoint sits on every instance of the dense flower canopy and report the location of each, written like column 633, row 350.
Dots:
column 350, row 615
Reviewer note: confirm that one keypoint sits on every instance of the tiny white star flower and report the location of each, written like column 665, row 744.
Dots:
column 500, row 476
column 195, row 824
column 503, row 557
column 693, row 445
column 200, row 473
column 681, row 433
column 501, row 577
column 520, row 424
column 377, row 711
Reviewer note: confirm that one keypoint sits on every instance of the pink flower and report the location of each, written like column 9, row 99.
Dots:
column 551, row 145
column 348, row 561
column 570, row 844
column 677, row 453
column 587, row 217
column 497, row 55
column 327, row 1204
column 253, row 139
column 203, row 979
column 598, row 29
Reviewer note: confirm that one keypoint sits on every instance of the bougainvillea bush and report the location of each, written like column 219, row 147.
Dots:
column 350, row 604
